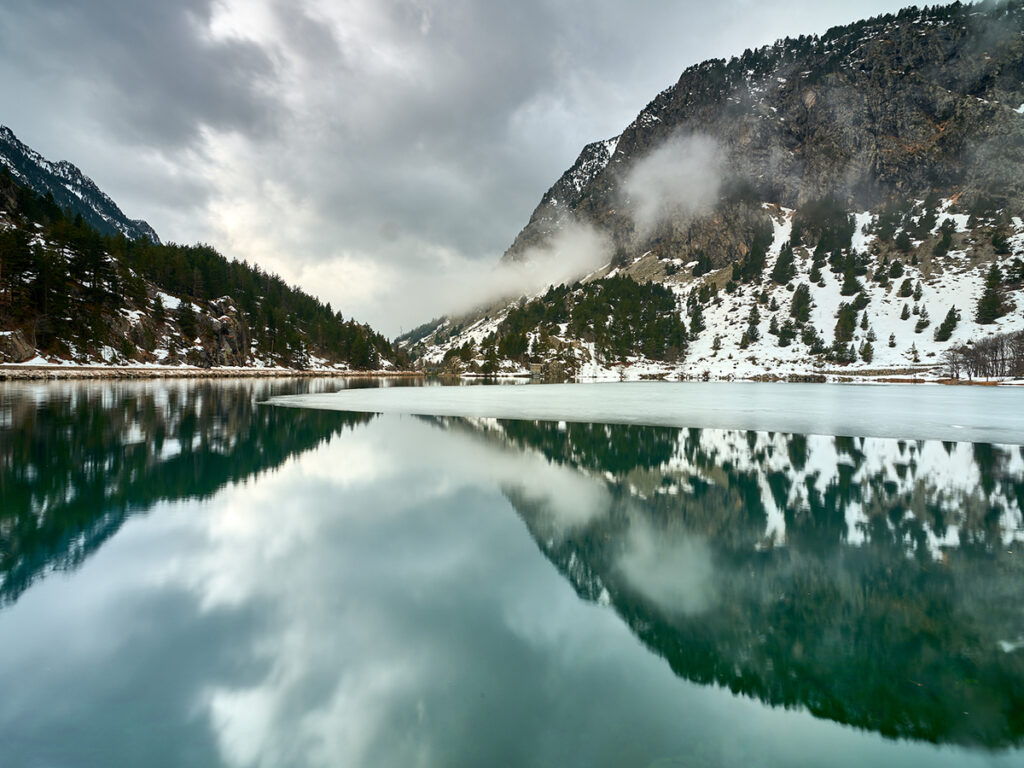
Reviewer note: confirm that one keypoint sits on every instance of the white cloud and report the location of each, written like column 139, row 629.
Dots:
column 680, row 178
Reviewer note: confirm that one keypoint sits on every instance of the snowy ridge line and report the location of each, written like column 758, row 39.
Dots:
column 64, row 177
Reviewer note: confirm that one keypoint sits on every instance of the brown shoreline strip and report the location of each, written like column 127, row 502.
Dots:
column 42, row 373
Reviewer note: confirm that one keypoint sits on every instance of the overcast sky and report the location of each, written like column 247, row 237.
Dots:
column 368, row 150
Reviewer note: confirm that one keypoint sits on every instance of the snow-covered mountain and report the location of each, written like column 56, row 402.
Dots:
column 894, row 145
column 71, row 189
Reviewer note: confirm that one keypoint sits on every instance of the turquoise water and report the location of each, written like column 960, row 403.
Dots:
column 190, row 578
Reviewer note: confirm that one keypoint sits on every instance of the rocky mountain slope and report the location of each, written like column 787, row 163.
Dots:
column 882, row 161
column 71, row 295
column 71, row 189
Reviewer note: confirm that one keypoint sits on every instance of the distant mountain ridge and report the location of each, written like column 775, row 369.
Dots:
column 71, row 189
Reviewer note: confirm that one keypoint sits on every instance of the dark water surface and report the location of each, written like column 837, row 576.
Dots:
column 190, row 578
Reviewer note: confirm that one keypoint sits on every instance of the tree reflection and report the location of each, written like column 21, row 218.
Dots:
column 873, row 582
column 76, row 460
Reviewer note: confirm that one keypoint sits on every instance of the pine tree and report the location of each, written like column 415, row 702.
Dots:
column 925, row 223
column 942, row 247
column 867, row 352
column 186, row 317
column 881, row 275
column 905, row 314
column 800, row 308
column 846, row 323
column 990, row 306
column 697, row 321
column 851, row 285
column 945, row 330
column 1000, row 243
column 752, row 333
column 784, row 269
column 923, row 321
column 892, row 339
column 787, row 332
column 159, row 314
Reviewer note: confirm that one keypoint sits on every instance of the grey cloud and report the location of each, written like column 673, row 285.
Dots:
column 384, row 132
column 156, row 74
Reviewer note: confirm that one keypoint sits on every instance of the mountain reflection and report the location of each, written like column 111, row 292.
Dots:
column 76, row 460
column 873, row 582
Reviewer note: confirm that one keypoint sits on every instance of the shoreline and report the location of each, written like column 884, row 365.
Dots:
column 21, row 372
column 814, row 377
column 18, row 372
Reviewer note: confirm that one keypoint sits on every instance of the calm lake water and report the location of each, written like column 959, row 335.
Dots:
column 188, row 577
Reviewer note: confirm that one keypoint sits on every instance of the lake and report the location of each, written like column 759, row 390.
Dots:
column 730, row 575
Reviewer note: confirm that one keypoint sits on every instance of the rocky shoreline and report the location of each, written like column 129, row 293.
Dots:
column 44, row 372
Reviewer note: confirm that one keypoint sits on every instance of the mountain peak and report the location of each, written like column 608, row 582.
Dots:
column 71, row 189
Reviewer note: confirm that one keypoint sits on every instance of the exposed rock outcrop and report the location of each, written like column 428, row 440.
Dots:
column 14, row 347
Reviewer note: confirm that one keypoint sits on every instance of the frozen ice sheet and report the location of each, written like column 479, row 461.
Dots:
column 909, row 411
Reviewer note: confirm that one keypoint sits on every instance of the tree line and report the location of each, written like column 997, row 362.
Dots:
column 1001, row 355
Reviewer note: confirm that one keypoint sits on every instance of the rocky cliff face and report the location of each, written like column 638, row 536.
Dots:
column 71, row 189
column 896, row 105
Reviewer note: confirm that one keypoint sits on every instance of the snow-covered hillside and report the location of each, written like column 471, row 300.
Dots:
column 71, row 297
column 902, row 298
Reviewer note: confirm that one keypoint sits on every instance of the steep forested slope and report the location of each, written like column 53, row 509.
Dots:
column 69, row 292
